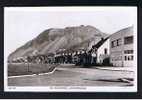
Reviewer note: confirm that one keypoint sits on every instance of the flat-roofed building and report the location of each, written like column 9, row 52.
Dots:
column 121, row 47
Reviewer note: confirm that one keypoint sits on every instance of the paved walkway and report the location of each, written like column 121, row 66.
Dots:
column 114, row 68
column 117, row 68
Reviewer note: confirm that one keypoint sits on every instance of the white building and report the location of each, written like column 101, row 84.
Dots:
column 121, row 47
column 103, row 51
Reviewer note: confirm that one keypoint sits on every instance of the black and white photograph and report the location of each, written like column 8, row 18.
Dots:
column 70, row 49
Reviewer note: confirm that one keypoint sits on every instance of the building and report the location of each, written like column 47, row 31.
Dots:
column 102, row 50
column 121, row 47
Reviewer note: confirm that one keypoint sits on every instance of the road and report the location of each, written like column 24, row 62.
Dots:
column 70, row 75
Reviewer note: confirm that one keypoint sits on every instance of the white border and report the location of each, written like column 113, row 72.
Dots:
column 84, row 89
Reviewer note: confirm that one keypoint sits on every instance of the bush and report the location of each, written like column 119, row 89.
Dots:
column 106, row 62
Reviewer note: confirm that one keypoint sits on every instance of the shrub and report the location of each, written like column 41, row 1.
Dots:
column 106, row 62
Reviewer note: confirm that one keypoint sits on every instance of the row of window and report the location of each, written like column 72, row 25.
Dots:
column 118, row 42
column 128, row 51
column 117, row 59
column 126, row 58
column 129, row 58
column 128, row 40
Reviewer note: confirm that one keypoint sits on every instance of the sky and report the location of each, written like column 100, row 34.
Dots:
column 22, row 24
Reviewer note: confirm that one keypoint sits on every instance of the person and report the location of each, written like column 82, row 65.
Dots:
column 84, row 55
column 94, row 57
column 70, row 58
column 89, row 59
column 75, row 58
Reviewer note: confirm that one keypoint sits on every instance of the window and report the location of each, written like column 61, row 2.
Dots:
column 128, row 51
column 125, row 58
column 119, row 42
column 112, row 45
column 128, row 40
column 116, row 43
column 129, row 58
column 132, row 57
column 105, row 51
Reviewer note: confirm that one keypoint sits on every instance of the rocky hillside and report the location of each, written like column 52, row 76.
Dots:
column 53, row 39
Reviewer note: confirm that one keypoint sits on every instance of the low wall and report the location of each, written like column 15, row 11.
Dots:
column 25, row 69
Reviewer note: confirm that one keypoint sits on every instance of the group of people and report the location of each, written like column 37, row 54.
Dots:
column 64, row 58
column 78, row 58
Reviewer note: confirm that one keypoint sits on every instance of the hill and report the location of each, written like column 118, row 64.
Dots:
column 53, row 39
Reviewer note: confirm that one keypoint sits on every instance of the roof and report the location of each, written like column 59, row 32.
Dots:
column 99, row 43
column 124, row 30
